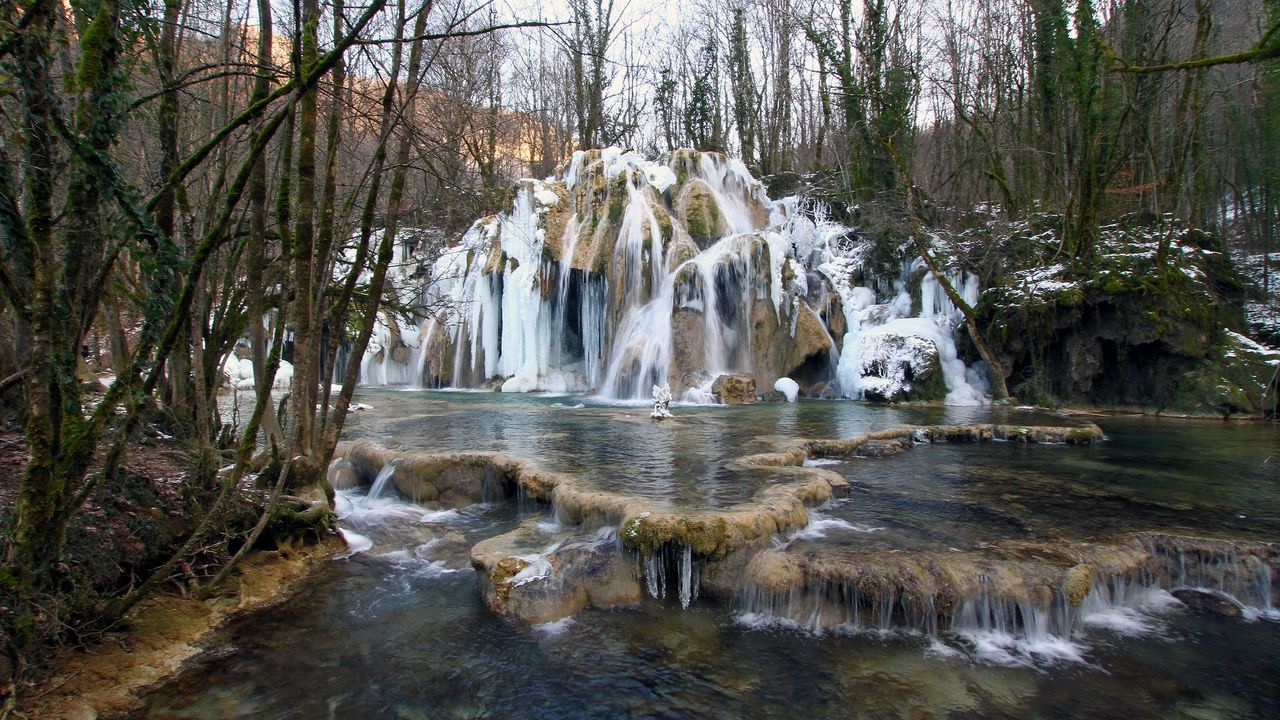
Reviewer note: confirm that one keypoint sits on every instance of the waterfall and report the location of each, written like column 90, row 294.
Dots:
column 380, row 483
column 628, row 273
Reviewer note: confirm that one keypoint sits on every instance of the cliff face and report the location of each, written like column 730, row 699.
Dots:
column 1153, row 323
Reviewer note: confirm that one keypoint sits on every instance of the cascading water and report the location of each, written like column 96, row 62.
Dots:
column 627, row 274
column 382, row 482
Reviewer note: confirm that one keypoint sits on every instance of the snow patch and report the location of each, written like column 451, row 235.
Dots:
column 788, row 387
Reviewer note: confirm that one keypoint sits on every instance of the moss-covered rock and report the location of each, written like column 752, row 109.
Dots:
column 699, row 212
column 1142, row 326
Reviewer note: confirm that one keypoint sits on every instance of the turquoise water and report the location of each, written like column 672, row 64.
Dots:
column 1188, row 477
column 400, row 631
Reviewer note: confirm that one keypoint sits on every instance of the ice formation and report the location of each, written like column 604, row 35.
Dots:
column 788, row 387
column 661, row 402
column 238, row 373
column 627, row 274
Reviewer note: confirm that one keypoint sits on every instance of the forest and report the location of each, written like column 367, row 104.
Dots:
column 186, row 181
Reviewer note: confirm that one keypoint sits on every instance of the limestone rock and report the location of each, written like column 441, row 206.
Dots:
column 700, row 214
column 449, row 546
column 1078, row 582
column 1207, row 602
column 884, row 448
column 438, row 370
column 536, row 578
column 803, row 355
column 735, row 389
column 688, row 353
column 451, row 479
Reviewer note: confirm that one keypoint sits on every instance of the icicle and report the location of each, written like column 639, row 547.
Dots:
column 688, row 582
column 655, row 575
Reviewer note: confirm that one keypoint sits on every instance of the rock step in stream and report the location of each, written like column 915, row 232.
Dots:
column 608, row 549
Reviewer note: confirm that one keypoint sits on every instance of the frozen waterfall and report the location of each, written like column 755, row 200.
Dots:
column 628, row 273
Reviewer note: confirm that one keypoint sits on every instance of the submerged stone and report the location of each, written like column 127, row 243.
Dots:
column 1207, row 602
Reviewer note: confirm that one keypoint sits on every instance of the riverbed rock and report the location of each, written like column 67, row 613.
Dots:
column 884, row 448
column 1078, row 583
column 342, row 475
column 449, row 546
column 1208, row 602
column 733, row 389
column 451, row 479
column 536, row 578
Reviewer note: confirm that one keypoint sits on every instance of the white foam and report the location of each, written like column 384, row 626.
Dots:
column 820, row 525
column 359, row 509
column 820, row 462
column 356, row 543
column 441, row 516
column 1252, row 614
column 537, row 566
column 416, row 566
column 941, row 650
column 555, row 628
column 1120, row 620
column 994, row 647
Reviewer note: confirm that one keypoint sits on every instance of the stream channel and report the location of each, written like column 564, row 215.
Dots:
column 399, row 629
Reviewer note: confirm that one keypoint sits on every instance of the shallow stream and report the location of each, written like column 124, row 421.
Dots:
column 400, row 631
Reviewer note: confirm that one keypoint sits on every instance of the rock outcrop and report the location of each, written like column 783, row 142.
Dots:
column 734, row 389
column 897, row 366
column 1208, row 602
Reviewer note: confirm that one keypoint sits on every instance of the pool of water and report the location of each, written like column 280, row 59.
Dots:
column 1188, row 477
column 399, row 631
column 680, row 461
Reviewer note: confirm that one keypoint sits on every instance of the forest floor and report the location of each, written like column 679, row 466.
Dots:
column 120, row 537
column 109, row 678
